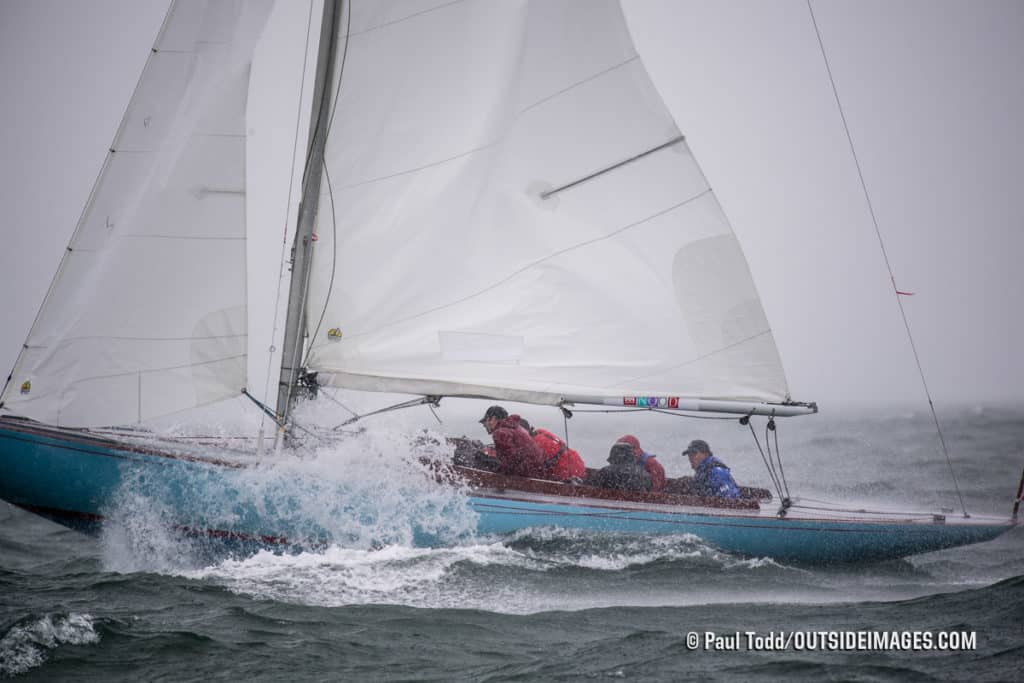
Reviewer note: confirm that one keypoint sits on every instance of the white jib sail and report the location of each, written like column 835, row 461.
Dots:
column 147, row 314
column 510, row 211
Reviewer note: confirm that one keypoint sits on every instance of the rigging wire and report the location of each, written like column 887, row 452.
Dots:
column 769, row 464
column 330, row 193
column 778, row 454
column 273, row 416
column 885, row 256
column 428, row 400
column 307, row 168
column 284, row 239
column 341, row 67
column 334, row 399
column 292, row 424
column 334, row 267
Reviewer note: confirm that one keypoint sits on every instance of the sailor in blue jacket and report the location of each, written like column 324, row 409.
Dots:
column 711, row 476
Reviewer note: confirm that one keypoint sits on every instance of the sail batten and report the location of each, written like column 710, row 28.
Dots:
column 635, row 157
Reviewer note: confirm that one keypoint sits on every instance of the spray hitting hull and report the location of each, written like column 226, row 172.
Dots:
column 82, row 481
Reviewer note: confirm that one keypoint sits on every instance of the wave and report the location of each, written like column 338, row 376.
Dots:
column 547, row 569
column 615, row 552
column 521, row 573
column 26, row 643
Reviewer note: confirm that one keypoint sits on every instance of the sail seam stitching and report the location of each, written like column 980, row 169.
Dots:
column 481, row 148
column 378, row 27
column 149, row 371
column 539, row 261
column 698, row 359
column 136, row 235
column 432, row 164
column 578, row 83
column 100, row 336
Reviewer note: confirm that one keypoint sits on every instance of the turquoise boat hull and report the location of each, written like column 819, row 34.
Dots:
column 77, row 479
column 790, row 538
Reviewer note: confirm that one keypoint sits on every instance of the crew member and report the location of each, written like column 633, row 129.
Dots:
column 648, row 460
column 560, row 462
column 513, row 445
column 711, row 477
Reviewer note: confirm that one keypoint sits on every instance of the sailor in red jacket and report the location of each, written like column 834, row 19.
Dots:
column 513, row 445
column 648, row 460
column 560, row 462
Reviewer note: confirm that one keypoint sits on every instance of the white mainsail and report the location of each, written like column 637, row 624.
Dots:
column 147, row 314
column 510, row 211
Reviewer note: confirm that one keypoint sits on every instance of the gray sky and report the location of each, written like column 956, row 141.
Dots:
column 931, row 90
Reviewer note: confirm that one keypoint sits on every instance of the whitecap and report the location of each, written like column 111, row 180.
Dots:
column 26, row 644
column 346, row 576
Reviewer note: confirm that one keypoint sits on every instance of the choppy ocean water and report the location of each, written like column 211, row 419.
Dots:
column 547, row 604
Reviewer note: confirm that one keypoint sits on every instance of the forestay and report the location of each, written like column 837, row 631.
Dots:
column 458, row 254
column 147, row 314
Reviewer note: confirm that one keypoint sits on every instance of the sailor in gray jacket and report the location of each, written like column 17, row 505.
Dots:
column 623, row 471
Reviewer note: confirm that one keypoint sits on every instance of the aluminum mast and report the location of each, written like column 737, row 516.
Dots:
column 302, row 249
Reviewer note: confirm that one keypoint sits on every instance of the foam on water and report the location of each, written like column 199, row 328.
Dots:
column 368, row 490
column 524, row 572
column 347, row 576
column 26, row 643
column 615, row 552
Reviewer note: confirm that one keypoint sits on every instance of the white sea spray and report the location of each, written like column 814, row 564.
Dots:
column 26, row 644
column 366, row 490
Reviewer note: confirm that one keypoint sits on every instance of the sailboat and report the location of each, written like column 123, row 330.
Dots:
column 577, row 256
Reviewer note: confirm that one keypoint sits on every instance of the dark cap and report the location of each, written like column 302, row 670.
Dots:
column 494, row 411
column 697, row 446
column 621, row 453
column 525, row 424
